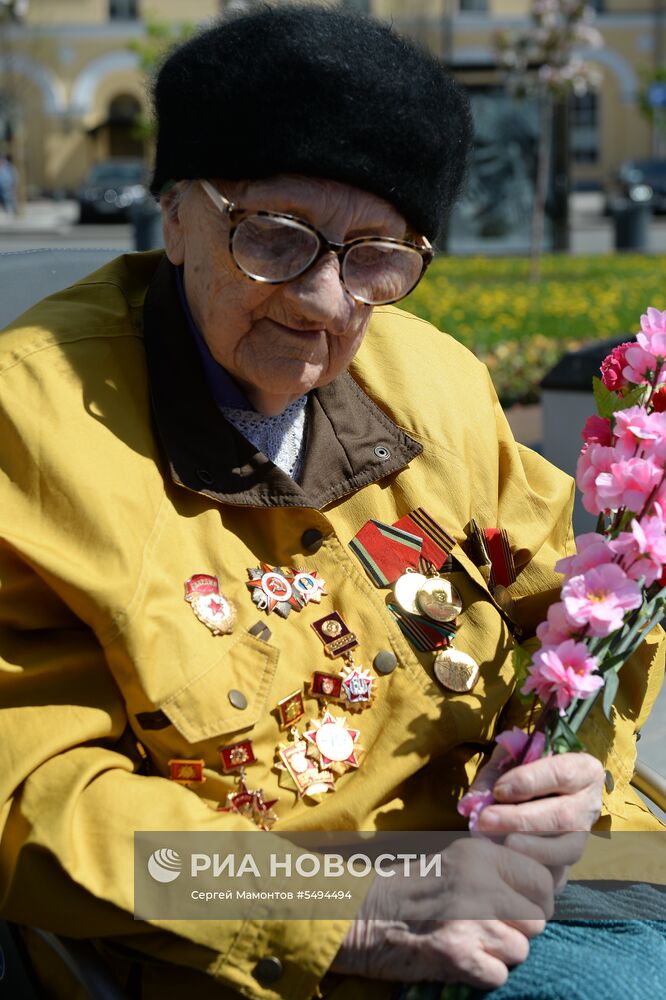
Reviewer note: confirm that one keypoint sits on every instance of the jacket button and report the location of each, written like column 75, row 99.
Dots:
column 268, row 970
column 385, row 662
column 206, row 476
column 382, row 453
column 609, row 782
column 311, row 540
column 237, row 698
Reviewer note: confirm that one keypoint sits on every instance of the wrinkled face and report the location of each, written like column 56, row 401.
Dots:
column 278, row 341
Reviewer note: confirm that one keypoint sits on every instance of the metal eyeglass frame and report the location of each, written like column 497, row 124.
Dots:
column 325, row 246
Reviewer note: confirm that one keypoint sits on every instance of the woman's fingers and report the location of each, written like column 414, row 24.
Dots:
column 553, row 852
column 561, row 774
column 557, row 814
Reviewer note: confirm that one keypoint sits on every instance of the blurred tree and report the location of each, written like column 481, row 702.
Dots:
column 541, row 60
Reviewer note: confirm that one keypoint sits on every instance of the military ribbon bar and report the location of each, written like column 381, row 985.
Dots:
column 436, row 543
column 386, row 551
column 501, row 557
column 423, row 635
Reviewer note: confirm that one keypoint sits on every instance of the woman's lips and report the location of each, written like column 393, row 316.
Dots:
column 299, row 331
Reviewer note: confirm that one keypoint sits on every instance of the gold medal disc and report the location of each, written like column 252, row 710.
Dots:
column 439, row 600
column 406, row 588
column 455, row 670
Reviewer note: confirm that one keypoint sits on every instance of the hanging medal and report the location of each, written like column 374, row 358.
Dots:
column 250, row 803
column 301, row 772
column 332, row 744
column 355, row 687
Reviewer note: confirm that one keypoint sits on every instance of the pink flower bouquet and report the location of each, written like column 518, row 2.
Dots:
column 614, row 587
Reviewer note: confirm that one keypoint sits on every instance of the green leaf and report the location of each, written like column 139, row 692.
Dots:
column 632, row 398
column 608, row 402
column 610, row 690
column 521, row 660
column 566, row 737
column 603, row 397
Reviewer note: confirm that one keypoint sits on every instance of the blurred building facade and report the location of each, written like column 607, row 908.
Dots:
column 70, row 82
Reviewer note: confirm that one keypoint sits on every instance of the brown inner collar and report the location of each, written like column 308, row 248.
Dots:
column 350, row 441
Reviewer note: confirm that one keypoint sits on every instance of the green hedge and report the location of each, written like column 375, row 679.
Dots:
column 521, row 330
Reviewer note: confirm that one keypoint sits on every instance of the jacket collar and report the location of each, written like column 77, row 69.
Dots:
column 351, row 442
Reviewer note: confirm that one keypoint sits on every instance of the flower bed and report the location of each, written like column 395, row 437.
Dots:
column 521, row 330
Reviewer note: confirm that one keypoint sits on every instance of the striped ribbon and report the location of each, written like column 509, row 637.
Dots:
column 424, row 635
column 503, row 567
column 386, row 551
column 437, row 543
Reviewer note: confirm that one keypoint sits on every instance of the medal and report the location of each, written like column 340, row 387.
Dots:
column 272, row 591
column 250, row 804
column 438, row 599
column 304, row 773
column 203, row 595
column 335, row 635
column 187, row 772
column 406, row 588
column 290, row 709
column 327, row 687
column 307, row 586
column 331, row 744
column 236, row 755
column 358, row 687
column 455, row 670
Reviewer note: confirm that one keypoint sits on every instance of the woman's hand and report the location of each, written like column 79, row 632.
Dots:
column 475, row 922
column 544, row 809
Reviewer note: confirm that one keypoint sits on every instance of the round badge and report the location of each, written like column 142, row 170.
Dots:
column 439, row 600
column 334, row 742
column 275, row 586
column 406, row 588
column 456, row 670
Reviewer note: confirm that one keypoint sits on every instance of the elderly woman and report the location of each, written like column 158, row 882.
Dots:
column 244, row 497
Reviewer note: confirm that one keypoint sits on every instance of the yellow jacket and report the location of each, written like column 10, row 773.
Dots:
column 108, row 505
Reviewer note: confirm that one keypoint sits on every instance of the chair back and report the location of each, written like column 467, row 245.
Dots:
column 29, row 275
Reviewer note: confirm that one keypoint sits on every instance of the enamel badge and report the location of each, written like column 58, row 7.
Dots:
column 202, row 593
column 271, row 590
column 250, row 803
column 307, row 586
column 305, row 775
column 187, row 772
column 332, row 745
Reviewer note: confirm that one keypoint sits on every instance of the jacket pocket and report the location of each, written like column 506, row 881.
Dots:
column 201, row 709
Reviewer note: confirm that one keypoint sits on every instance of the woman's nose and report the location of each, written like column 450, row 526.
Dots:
column 320, row 295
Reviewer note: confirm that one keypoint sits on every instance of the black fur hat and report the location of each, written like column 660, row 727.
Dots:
column 305, row 90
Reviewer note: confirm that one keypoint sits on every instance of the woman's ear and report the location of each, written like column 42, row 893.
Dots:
column 172, row 223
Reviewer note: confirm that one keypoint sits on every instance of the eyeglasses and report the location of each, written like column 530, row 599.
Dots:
column 275, row 248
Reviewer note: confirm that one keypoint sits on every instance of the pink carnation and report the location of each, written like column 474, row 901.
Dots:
column 566, row 671
column 640, row 365
column 597, row 430
column 557, row 628
column 613, row 366
column 472, row 805
column 600, row 598
column 514, row 740
column 593, row 550
column 628, row 484
column 652, row 337
column 643, row 549
column 641, row 430
column 593, row 460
